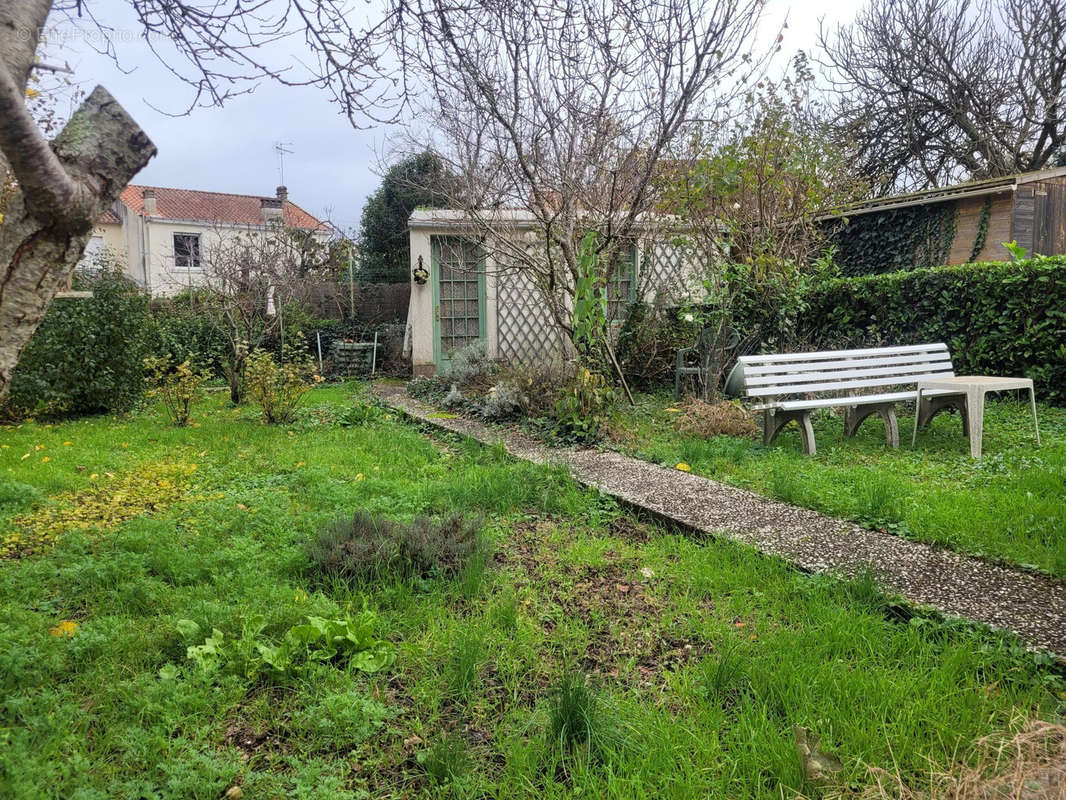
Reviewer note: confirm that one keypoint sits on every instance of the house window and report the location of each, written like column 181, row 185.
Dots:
column 187, row 251
column 622, row 286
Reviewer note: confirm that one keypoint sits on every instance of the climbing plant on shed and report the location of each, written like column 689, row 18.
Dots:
column 896, row 239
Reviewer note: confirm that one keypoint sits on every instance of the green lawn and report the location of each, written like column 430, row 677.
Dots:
column 1010, row 505
column 701, row 655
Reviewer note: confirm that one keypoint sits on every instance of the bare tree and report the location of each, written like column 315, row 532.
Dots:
column 751, row 198
column 558, row 116
column 935, row 91
column 247, row 282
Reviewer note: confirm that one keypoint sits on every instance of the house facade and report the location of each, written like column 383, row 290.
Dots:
column 162, row 235
column 463, row 292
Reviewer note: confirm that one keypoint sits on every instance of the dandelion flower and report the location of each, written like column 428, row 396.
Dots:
column 64, row 628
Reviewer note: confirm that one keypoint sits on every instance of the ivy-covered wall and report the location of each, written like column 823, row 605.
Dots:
column 895, row 239
column 999, row 318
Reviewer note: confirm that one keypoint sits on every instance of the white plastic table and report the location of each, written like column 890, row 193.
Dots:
column 975, row 387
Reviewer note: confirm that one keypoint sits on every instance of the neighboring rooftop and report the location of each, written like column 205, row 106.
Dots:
column 974, row 188
column 217, row 207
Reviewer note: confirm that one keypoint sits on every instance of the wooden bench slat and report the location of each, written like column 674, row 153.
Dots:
column 818, row 366
column 838, row 354
column 902, row 370
column 846, row 385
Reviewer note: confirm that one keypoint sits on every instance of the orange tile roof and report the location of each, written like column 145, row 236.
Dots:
column 233, row 209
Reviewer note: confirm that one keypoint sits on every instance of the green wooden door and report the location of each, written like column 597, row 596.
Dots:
column 458, row 296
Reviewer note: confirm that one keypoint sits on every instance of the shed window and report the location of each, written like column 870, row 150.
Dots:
column 187, row 250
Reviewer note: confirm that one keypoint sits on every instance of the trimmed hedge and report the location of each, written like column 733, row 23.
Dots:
column 87, row 356
column 998, row 318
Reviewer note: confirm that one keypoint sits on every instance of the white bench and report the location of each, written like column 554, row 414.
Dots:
column 863, row 382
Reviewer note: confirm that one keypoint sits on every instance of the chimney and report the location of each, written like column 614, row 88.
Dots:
column 271, row 210
column 283, row 193
column 150, row 209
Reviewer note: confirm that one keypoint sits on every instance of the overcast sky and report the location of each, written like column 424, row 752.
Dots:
column 333, row 167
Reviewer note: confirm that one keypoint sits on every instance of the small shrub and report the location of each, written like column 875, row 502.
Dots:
column 429, row 389
column 648, row 343
column 278, row 388
column 581, row 412
column 701, row 418
column 504, row 401
column 540, row 385
column 471, row 368
column 370, row 546
column 177, row 386
column 454, row 399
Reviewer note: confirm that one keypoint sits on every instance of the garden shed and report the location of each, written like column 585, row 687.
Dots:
column 462, row 292
column 953, row 225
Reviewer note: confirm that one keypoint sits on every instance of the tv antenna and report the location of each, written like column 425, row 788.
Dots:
column 282, row 149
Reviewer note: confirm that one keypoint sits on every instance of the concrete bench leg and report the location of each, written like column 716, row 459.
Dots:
column 773, row 421
column 975, row 416
column 929, row 407
column 855, row 415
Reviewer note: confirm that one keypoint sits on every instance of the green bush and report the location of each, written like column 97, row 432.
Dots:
column 87, row 357
column 999, row 318
column 279, row 388
column 184, row 332
column 373, row 545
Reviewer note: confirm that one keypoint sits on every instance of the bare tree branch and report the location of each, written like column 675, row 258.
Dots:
column 935, row 91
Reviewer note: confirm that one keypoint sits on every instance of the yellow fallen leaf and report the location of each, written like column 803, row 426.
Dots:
column 64, row 628
column 299, row 464
column 94, row 476
column 45, row 460
column 360, row 476
column 672, row 410
column 26, row 456
column 39, row 447
column 681, row 465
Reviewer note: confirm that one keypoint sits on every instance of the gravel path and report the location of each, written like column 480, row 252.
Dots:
column 1031, row 606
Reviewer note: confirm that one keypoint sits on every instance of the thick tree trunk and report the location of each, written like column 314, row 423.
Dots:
column 50, row 192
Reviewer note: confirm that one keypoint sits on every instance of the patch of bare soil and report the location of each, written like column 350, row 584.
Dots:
column 613, row 600
column 250, row 740
column 1027, row 765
